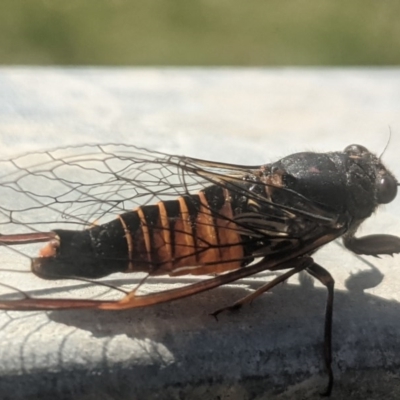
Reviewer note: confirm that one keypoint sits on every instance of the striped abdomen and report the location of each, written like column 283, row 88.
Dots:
column 194, row 234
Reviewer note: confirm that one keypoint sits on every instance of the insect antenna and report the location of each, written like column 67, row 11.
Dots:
column 387, row 143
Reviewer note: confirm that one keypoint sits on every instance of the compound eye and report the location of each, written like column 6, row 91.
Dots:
column 387, row 189
column 356, row 150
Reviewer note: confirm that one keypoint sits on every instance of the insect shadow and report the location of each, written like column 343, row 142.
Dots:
column 286, row 337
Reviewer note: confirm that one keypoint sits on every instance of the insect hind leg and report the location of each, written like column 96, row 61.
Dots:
column 326, row 279
column 296, row 266
column 318, row 272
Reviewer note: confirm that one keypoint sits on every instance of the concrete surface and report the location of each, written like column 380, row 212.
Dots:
column 270, row 350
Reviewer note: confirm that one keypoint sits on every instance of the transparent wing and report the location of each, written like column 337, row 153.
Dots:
column 78, row 187
column 87, row 184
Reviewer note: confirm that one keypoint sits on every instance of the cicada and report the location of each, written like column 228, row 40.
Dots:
column 158, row 214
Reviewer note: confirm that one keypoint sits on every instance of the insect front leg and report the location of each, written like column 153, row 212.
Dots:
column 326, row 279
column 297, row 266
column 373, row 245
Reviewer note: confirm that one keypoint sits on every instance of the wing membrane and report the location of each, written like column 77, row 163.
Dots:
column 78, row 187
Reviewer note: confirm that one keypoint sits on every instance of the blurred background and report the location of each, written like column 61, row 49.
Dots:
column 200, row 32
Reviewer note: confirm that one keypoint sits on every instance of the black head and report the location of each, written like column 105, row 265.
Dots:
column 386, row 184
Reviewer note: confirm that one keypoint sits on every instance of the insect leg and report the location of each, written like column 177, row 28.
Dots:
column 326, row 279
column 297, row 266
column 373, row 245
